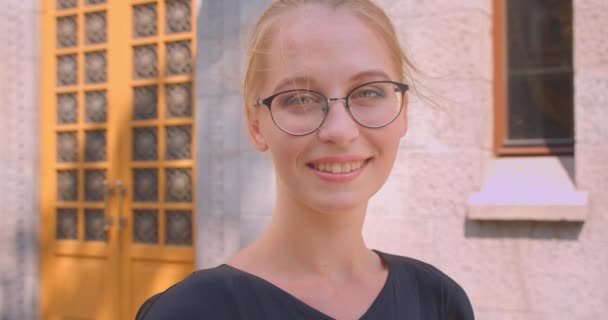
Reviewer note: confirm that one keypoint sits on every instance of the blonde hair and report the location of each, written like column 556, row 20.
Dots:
column 366, row 9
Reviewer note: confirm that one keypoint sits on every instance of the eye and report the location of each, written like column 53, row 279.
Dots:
column 368, row 93
column 299, row 99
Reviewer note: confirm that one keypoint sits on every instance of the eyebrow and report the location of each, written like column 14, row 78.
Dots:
column 357, row 77
column 370, row 74
column 292, row 80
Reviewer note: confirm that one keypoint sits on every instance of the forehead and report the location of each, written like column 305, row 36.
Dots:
column 325, row 45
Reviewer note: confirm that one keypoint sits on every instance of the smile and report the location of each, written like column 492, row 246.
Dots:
column 339, row 170
column 339, row 167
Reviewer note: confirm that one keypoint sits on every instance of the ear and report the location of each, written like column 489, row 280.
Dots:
column 406, row 101
column 253, row 125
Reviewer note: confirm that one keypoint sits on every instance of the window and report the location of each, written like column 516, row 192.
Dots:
column 533, row 77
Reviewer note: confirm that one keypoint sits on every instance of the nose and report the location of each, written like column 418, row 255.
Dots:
column 338, row 126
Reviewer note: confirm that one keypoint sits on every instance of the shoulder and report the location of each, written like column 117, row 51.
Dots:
column 424, row 273
column 432, row 286
column 205, row 294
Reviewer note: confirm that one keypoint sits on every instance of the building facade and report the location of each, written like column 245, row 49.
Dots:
column 524, row 234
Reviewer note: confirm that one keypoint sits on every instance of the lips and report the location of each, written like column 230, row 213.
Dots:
column 339, row 169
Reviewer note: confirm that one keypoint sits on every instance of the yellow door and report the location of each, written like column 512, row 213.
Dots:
column 118, row 154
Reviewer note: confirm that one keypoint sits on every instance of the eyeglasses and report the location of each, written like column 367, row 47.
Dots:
column 300, row 112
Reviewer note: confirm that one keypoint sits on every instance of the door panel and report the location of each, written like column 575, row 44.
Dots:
column 158, row 244
column 149, row 276
column 80, row 262
column 117, row 154
column 93, row 295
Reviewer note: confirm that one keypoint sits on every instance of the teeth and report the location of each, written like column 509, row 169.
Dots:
column 347, row 167
column 336, row 168
column 343, row 167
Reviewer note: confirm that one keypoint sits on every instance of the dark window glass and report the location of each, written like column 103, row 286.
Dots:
column 540, row 89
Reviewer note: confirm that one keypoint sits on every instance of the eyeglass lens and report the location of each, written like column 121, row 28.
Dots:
column 372, row 105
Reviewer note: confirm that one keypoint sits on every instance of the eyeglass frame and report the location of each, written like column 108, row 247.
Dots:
column 268, row 103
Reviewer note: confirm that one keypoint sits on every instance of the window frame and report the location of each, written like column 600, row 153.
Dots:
column 501, row 98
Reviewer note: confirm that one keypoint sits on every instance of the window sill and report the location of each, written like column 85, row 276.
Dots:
column 529, row 189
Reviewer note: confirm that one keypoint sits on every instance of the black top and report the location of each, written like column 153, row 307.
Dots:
column 414, row 290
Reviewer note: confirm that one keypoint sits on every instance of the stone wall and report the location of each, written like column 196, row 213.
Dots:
column 511, row 269
column 234, row 193
column 19, row 157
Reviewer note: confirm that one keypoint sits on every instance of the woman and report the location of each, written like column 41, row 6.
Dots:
column 325, row 95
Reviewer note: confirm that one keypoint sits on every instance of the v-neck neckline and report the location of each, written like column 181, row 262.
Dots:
column 305, row 307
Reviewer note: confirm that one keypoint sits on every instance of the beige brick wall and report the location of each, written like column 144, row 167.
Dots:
column 19, row 120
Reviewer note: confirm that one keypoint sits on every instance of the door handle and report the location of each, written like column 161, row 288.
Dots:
column 121, row 190
column 108, row 192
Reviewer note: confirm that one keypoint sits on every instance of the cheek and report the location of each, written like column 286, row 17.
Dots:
column 388, row 140
column 405, row 125
column 401, row 123
column 285, row 149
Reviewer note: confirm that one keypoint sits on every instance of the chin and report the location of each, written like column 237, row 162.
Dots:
column 338, row 204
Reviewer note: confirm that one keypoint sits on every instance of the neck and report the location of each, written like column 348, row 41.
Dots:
column 318, row 242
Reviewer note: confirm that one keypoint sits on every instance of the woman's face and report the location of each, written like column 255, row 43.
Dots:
column 330, row 51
